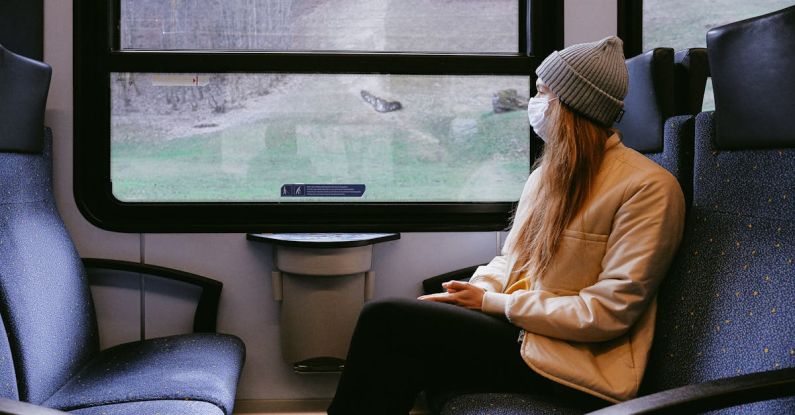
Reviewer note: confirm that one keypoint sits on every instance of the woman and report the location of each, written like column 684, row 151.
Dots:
column 593, row 235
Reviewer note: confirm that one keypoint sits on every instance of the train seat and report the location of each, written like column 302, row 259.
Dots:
column 723, row 306
column 49, row 353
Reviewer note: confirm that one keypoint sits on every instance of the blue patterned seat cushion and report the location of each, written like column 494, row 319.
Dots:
column 153, row 408
column 198, row 367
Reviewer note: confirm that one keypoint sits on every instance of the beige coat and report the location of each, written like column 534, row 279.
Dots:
column 589, row 319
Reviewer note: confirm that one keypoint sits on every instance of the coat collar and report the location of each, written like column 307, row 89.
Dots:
column 612, row 141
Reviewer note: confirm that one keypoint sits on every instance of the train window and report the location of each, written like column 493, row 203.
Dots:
column 317, row 25
column 317, row 115
column 358, row 138
column 682, row 24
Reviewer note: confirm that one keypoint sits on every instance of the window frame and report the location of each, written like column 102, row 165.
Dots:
column 97, row 54
column 630, row 26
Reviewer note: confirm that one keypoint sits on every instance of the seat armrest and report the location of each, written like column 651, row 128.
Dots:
column 716, row 394
column 434, row 284
column 12, row 407
column 206, row 315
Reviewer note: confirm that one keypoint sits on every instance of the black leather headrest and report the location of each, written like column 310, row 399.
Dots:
column 649, row 101
column 752, row 63
column 691, row 70
column 21, row 27
column 24, row 84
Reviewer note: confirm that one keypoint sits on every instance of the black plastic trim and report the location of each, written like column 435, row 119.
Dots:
column 306, row 217
column 524, row 22
column 546, row 19
column 630, row 26
column 96, row 55
column 707, row 396
column 206, row 316
column 326, row 63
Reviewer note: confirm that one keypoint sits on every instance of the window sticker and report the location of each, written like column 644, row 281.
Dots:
column 322, row 190
column 180, row 80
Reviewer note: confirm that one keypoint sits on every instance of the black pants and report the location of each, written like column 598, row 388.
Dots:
column 401, row 347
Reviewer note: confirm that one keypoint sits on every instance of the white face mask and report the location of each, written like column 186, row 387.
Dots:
column 536, row 113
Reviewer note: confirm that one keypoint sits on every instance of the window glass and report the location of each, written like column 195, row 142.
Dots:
column 460, row 26
column 683, row 24
column 361, row 138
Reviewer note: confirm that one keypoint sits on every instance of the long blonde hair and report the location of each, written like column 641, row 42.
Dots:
column 570, row 160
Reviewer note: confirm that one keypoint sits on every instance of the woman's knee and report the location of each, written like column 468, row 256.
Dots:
column 393, row 314
column 385, row 308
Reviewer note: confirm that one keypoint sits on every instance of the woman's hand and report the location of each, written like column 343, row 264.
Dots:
column 459, row 293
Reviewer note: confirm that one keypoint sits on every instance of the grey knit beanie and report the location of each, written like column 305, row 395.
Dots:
column 590, row 78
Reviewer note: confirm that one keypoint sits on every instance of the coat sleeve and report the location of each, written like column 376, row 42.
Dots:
column 493, row 277
column 645, row 235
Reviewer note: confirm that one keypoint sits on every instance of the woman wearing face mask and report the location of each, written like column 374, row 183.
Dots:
column 568, row 309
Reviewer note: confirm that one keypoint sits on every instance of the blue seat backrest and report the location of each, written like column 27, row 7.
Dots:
column 726, row 308
column 649, row 101
column 45, row 300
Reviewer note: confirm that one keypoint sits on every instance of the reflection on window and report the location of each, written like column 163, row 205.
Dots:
column 683, row 24
column 321, row 25
column 243, row 137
